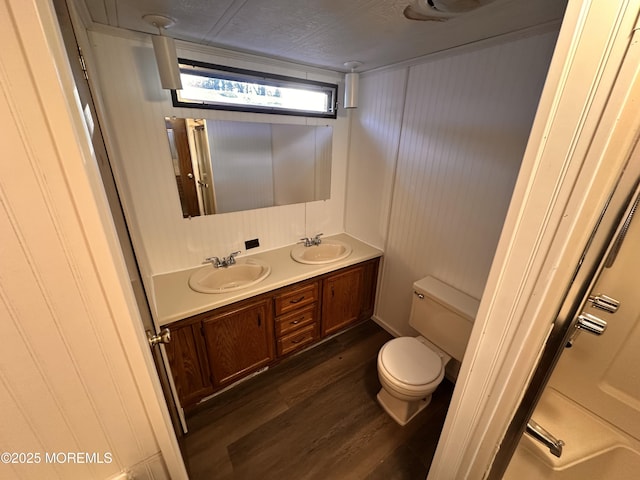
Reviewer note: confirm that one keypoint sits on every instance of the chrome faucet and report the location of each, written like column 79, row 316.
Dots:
column 224, row 262
column 310, row 242
column 543, row 436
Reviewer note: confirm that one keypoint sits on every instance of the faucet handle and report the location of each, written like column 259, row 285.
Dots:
column 215, row 261
column 316, row 240
column 231, row 260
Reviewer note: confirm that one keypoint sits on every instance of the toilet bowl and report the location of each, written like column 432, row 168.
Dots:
column 409, row 370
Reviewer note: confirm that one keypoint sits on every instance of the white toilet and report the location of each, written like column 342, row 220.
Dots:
column 411, row 368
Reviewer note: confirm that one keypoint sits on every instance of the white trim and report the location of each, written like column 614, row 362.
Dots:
column 80, row 8
column 386, row 326
column 570, row 166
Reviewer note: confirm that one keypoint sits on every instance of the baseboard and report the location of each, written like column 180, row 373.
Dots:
column 151, row 468
column 386, row 326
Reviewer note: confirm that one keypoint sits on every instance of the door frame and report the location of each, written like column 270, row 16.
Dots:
column 69, row 26
column 591, row 265
column 38, row 22
column 585, row 128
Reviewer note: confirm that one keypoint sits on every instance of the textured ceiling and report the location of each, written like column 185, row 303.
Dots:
column 324, row 33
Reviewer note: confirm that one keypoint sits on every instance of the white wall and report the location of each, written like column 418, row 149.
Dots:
column 135, row 107
column 433, row 156
column 435, row 151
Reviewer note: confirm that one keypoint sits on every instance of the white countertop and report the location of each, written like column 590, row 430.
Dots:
column 175, row 300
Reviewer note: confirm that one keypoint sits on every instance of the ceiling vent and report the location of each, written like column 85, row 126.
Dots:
column 441, row 10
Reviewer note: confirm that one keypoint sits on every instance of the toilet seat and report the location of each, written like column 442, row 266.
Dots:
column 409, row 363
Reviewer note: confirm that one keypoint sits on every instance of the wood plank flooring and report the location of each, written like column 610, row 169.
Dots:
column 314, row 416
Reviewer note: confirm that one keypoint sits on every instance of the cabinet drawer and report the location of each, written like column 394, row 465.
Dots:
column 296, row 298
column 297, row 339
column 296, row 319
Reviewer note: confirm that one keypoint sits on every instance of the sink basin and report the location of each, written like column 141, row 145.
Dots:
column 328, row 251
column 244, row 273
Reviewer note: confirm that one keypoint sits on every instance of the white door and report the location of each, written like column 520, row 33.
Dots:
column 76, row 376
column 117, row 215
column 590, row 409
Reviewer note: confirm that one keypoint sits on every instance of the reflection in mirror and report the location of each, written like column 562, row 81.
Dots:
column 222, row 166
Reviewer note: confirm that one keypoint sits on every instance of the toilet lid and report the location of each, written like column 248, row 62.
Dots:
column 410, row 361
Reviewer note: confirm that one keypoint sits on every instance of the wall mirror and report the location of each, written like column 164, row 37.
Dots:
column 225, row 166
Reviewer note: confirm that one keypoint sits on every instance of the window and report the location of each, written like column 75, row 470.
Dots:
column 213, row 86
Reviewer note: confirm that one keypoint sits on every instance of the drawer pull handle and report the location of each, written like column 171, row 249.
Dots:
column 295, row 322
column 298, row 300
column 298, row 340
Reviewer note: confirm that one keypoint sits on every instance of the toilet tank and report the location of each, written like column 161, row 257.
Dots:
column 443, row 315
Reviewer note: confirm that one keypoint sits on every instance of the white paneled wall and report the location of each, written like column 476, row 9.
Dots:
column 135, row 107
column 373, row 150
column 449, row 152
column 434, row 151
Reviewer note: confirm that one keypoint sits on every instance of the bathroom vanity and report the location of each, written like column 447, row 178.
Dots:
column 217, row 339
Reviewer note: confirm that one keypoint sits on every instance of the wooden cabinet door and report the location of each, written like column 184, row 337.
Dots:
column 369, row 284
column 341, row 299
column 239, row 340
column 188, row 363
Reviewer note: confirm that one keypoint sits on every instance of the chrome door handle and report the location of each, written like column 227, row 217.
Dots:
column 163, row 337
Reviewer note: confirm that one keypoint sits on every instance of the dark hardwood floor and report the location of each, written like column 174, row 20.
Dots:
column 314, row 416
